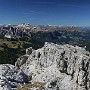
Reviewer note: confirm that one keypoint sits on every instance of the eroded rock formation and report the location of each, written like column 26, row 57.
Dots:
column 65, row 65
column 59, row 67
column 11, row 77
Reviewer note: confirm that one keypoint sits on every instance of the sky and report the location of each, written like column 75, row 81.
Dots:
column 53, row 12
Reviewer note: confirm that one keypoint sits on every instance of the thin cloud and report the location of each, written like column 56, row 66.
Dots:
column 34, row 12
column 72, row 5
column 62, row 4
column 44, row 2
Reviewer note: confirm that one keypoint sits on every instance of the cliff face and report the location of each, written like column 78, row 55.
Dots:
column 61, row 67
column 58, row 67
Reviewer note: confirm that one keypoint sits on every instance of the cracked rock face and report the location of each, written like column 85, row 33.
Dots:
column 61, row 67
column 11, row 77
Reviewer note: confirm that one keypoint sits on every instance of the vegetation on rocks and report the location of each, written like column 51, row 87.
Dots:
column 29, row 86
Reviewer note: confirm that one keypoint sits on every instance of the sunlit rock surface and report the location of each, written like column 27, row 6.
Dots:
column 11, row 77
column 65, row 65
column 59, row 67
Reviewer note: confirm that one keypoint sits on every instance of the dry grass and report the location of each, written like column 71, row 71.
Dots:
column 40, row 85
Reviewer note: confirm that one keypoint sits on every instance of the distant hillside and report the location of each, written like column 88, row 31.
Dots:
column 24, row 36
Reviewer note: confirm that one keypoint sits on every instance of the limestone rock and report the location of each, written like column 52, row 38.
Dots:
column 11, row 76
column 29, row 51
column 71, row 65
column 22, row 60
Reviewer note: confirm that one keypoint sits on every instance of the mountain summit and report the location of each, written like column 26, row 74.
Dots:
column 53, row 67
column 66, row 66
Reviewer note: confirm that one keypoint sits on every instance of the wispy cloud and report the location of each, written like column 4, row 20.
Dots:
column 62, row 4
column 33, row 12
column 28, row 15
column 72, row 5
column 44, row 2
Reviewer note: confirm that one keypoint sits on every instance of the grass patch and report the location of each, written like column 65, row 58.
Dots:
column 11, row 50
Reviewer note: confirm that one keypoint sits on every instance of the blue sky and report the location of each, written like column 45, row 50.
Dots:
column 58, row 12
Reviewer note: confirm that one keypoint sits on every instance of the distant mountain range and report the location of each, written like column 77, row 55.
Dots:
column 14, row 39
column 85, row 28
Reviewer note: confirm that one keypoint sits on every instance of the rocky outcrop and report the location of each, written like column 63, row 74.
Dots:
column 22, row 60
column 52, row 67
column 62, row 67
column 29, row 50
column 11, row 77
